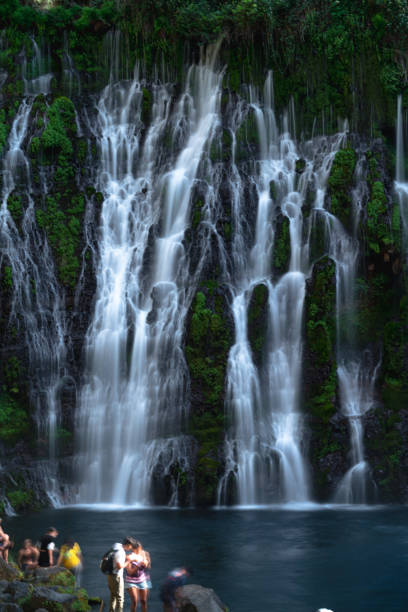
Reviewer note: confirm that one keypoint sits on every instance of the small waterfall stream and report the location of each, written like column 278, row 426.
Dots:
column 356, row 374
column 264, row 448
column 36, row 304
column 401, row 185
column 134, row 399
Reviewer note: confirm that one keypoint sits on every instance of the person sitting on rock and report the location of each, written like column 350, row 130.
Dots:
column 70, row 557
column 47, row 548
column 175, row 579
column 28, row 556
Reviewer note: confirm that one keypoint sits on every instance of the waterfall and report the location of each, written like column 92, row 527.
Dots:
column 265, row 456
column 133, row 403
column 35, row 73
column 355, row 371
column 401, row 186
column 36, row 308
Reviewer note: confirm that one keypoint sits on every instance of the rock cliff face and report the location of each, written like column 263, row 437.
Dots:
column 49, row 253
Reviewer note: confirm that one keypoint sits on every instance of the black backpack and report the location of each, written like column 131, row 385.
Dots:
column 106, row 563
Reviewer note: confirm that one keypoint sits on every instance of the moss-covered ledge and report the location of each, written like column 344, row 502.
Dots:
column 329, row 438
column 208, row 340
column 52, row 589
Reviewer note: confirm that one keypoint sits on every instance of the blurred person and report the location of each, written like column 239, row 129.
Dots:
column 70, row 557
column 174, row 580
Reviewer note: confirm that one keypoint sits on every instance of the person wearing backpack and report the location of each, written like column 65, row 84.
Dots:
column 114, row 561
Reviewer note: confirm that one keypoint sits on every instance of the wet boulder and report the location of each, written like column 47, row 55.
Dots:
column 7, row 572
column 196, row 598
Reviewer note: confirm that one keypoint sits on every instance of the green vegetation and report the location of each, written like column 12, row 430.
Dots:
column 258, row 322
column 377, row 227
column 4, row 129
column 7, row 278
column 14, row 420
column 340, row 183
column 321, row 368
column 207, row 344
column 15, row 207
column 281, row 251
column 208, row 341
column 64, row 231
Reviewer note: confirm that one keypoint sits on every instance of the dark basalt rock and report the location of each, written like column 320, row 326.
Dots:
column 195, row 598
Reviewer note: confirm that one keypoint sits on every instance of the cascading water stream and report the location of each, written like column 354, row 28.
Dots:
column 265, row 461
column 35, row 73
column 134, row 400
column 356, row 375
column 401, row 185
column 36, row 304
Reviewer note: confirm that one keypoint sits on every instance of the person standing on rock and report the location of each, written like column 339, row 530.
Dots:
column 115, row 578
column 175, row 579
column 47, row 548
column 137, row 576
column 70, row 557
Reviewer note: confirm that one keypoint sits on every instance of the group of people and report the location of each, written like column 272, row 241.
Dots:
column 131, row 570
column 44, row 553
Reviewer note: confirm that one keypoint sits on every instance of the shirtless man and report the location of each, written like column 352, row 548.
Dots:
column 4, row 543
column 28, row 556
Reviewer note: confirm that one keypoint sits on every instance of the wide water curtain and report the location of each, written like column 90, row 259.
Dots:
column 134, row 404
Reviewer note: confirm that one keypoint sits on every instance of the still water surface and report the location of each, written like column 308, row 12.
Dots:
column 257, row 560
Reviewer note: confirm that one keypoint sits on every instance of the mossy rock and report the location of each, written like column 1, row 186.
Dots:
column 281, row 247
column 340, row 183
column 208, row 340
column 258, row 322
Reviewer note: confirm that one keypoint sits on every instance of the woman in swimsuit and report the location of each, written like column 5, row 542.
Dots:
column 137, row 576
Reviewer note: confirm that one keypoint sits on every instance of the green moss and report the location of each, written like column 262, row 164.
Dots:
column 196, row 213
column 14, row 420
column 247, row 138
column 321, row 367
column 385, row 449
column 61, row 124
column 15, row 207
column 64, row 233
column 21, row 500
column 378, row 230
column 258, row 322
column 81, row 150
column 7, row 278
column 64, row 579
column 207, row 345
column 320, row 314
column 340, row 183
column 281, row 251
column 147, row 103
column 4, row 130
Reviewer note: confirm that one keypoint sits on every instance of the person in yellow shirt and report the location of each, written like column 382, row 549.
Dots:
column 70, row 557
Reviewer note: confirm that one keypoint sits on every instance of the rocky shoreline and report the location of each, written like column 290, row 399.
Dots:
column 51, row 589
